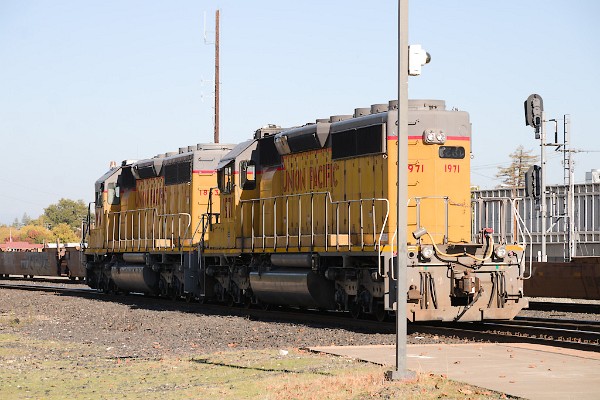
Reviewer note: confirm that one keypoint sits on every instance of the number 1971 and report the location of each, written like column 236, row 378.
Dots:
column 452, row 168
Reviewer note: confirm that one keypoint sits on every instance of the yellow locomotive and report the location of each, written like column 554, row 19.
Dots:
column 305, row 217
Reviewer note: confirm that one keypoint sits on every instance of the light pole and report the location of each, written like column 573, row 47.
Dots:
column 401, row 373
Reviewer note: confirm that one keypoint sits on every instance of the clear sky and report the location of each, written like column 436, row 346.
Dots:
column 86, row 82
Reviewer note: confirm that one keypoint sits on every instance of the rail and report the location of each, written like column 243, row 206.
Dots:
column 145, row 229
column 264, row 227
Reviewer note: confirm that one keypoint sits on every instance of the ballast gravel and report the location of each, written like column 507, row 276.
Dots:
column 138, row 327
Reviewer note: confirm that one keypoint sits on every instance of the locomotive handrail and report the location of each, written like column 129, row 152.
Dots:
column 446, row 211
column 161, row 224
column 417, row 201
column 521, row 232
column 87, row 223
column 263, row 204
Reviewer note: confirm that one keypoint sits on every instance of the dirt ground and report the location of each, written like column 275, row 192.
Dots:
column 133, row 326
column 60, row 345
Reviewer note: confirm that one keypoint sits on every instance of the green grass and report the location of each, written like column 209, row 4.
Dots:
column 51, row 370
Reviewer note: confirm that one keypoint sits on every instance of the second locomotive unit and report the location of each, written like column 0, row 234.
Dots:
column 305, row 217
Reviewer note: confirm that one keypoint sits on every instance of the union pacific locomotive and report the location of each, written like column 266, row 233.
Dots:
column 305, row 217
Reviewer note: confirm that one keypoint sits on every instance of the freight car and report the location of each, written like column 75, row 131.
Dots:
column 305, row 217
column 47, row 260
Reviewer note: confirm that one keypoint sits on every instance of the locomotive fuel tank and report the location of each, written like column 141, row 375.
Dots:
column 135, row 278
column 300, row 287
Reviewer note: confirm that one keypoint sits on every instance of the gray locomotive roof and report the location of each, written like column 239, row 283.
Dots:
column 104, row 177
column 359, row 122
column 207, row 158
column 319, row 129
column 237, row 150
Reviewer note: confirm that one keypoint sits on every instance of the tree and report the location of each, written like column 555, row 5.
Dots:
column 33, row 234
column 65, row 234
column 513, row 176
column 66, row 211
column 6, row 233
column 26, row 219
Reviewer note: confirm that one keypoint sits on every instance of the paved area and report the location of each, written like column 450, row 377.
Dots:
column 519, row 369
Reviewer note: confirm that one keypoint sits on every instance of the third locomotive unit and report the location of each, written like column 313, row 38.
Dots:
column 305, row 217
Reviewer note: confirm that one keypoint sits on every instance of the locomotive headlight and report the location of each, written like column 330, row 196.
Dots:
column 429, row 136
column 434, row 136
column 500, row 251
column 427, row 252
column 440, row 137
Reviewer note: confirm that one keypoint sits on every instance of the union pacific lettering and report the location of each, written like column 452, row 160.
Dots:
column 323, row 176
column 294, row 180
column 319, row 177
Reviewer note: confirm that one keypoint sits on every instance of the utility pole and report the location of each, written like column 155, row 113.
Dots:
column 217, row 76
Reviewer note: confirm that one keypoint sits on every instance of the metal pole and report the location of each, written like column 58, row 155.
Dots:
column 217, row 76
column 571, row 193
column 543, row 208
column 401, row 221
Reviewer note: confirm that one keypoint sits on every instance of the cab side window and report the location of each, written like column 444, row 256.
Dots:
column 248, row 175
column 225, row 176
column 114, row 194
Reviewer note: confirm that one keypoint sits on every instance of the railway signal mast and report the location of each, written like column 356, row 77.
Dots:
column 535, row 177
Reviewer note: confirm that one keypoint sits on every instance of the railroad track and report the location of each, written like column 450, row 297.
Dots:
column 275, row 314
column 585, row 308
column 581, row 335
column 45, row 288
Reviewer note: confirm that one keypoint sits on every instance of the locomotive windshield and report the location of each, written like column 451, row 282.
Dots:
column 457, row 152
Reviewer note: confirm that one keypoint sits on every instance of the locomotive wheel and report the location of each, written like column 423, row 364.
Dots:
column 230, row 300
column 103, row 286
column 355, row 310
column 247, row 302
column 379, row 312
column 189, row 297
